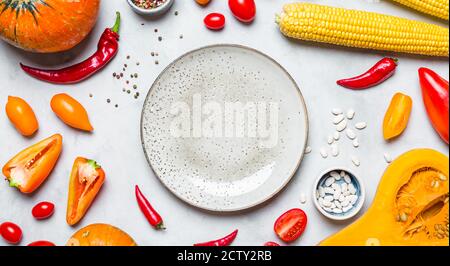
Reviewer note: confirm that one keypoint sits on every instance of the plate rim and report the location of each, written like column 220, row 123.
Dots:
column 287, row 179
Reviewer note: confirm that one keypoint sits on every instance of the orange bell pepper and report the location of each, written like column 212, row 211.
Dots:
column 86, row 179
column 397, row 116
column 29, row 168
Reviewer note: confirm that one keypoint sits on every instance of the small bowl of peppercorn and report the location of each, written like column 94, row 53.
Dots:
column 152, row 8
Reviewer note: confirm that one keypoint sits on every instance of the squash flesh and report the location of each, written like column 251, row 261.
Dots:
column 410, row 207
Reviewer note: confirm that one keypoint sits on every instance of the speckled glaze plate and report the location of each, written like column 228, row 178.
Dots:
column 224, row 127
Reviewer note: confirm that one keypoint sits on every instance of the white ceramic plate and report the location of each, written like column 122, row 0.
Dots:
column 203, row 153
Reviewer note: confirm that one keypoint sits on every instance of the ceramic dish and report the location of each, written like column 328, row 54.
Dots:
column 357, row 184
column 217, row 163
column 154, row 11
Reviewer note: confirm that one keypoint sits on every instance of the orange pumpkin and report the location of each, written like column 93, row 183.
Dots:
column 47, row 26
column 100, row 235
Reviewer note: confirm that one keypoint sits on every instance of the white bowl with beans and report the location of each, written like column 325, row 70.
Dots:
column 156, row 11
column 338, row 194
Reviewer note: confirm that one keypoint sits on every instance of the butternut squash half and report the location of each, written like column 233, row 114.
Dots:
column 410, row 207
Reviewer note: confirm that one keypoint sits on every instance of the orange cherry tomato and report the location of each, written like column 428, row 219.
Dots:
column 71, row 112
column 203, row 2
column 22, row 116
column 30, row 167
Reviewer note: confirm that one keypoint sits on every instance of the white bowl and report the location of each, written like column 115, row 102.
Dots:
column 360, row 191
column 153, row 11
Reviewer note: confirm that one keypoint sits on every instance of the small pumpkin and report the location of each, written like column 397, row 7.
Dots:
column 410, row 207
column 100, row 235
column 47, row 26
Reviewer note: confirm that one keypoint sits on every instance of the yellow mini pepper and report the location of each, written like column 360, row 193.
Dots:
column 397, row 116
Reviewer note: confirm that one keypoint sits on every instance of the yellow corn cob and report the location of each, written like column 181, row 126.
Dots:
column 352, row 28
column 437, row 8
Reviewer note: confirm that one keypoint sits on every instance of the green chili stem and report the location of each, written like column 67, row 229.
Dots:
column 116, row 26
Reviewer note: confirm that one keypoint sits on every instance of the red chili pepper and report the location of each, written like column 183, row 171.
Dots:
column 226, row 241
column 380, row 72
column 435, row 97
column 106, row 50
column 152, row 216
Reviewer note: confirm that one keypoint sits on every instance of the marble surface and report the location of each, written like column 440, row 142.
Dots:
column 116, row 143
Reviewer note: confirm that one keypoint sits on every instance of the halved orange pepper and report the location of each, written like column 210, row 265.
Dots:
column 29, row 168
column 397, row 116
column 86, row 179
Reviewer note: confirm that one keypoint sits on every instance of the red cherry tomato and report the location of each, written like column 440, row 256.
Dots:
column 41, row 243
column 214, row 21
column 11, row 232
column 271, row 244
column 43, row 210
column 243, row 10
column 291, row 225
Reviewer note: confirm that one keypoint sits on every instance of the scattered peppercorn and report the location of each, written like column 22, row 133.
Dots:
column 181, row 36
column 116, row 105
column 135, row 75
column 114, row 74
column 127, row 82
column 134, row 86
column 176, row 13
column 90, row 95
column 108, row 100
column 121, row 75
column 153, row 53
column 159, row 38
column 156, row 62
column 128, row 57
column 137, row 64
column 128, row 91
column 156, row 30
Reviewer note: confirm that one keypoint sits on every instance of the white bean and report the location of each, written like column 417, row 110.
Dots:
column 341, row 198
column 329, row 181
column 328, row 190
column 323, row 153
column 361, row 125
column 338, row 119
column 347, row 208
column 335, row 186
column 336, row 136
column 350, row 134
column 356, row 161
column 326, row 203
column 328, row 198
column 350, row 114
column 302, row 198
column 351, row 189
column 347, row 179
column 355, row 143
column 308, row 150
column 321, row 192
column 338, row 204
column 334, row 174
column 345, row 203
column 337, row 211
column 334, row 150
column 336, row 111
column 341, row 126
column 344, row 187
column 342, row 173
column 330, row 139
